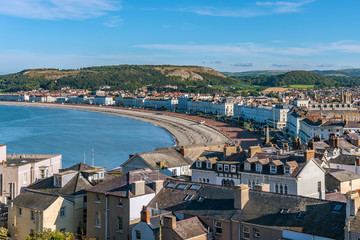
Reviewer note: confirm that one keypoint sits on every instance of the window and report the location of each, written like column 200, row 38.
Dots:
column 97, row 219
column 174, row 172
column 25, row 178
column 209, row 165
column 301, row 215
column 181, row 186
column 284, row 211
column 218, row 228
column 286, row 189
column 97, row 198
column 62, row 230
column 198, row 164
column 170, row 185
column 319, row 186
column 287, row 170
column 256, row 233
column 337, row 208
column 195, row 187
column 42, row 173
column 137, row 234
column 32, row 216
column 63, row 212
column 272, row 169
column 226, row 168
column 119, row 202
column 201, row 199
column 220, row 167
column 58, row 181
column 246, row 232
column 119, row 223
column 233, row 168
column 19, row 212
column 281, row 189
column 32, row 232
column 258, row 167
column 101, row 175
column 247, row 166
column 276, row 188
column 188, row 197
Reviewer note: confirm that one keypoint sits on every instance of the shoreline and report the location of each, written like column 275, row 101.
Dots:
column 184, row 131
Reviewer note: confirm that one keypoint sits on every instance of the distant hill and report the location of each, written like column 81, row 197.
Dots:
column 125, row 77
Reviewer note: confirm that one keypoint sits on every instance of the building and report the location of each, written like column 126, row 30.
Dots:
column 169, row 162
column 342, row 181
column 57, row 202
column 282, row 172
column 242, row 213
column 114, row 205
column 171, row 227
column 17, row 171
column 104, row 100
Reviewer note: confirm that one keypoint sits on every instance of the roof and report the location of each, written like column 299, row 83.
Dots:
column 343, row 176
column 82, row 167
column 354, row 223
column 15, row 160
column 344, row 159
column 35, row 200
column 121, row 186
column 190, row 228
column 263, row 208
column 170, row 157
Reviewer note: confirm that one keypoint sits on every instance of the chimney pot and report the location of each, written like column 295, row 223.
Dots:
column 241, row 196
column 145, row 215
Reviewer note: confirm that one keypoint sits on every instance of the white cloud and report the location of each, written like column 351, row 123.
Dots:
column 58, row 9
column 258, row 9
column 114, row 21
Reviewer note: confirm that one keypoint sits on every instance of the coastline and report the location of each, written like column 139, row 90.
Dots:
column 184, row 131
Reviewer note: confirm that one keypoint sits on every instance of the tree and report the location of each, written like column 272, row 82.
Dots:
column 48, row 234
column 3, row 233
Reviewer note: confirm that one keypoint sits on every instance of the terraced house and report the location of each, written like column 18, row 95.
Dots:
column 283, row 172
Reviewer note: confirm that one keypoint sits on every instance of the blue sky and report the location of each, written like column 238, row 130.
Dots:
column 231, row 35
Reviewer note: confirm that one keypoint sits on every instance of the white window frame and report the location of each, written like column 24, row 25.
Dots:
column 25, row 177
column 246, row 230
column 97, row 219
column 287, row 170
column 233, row 168
column 258, row 167
column 120, row 224
column 209, row 165
column 198, row 164
column 220, row 167
column 226, row 168
column 273, row 169
column 62, row 212
column 218, row 225
column 247, row 166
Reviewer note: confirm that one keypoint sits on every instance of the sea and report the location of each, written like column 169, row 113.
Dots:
column 80, row 136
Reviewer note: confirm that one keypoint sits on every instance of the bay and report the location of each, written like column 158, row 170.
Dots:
column 72, row 133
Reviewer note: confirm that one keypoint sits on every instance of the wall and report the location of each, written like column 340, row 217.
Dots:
column 146, row 231
column 308, row 178
column 301, row 236
column 134, row 163
column 137, row 203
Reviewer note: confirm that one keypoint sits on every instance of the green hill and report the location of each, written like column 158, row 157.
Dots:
column 125, row 77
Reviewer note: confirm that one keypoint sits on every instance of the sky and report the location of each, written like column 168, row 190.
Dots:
column 227, row 35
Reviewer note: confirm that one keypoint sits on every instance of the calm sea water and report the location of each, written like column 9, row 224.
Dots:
column 73, row 133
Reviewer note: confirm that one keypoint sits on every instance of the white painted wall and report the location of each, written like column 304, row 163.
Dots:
column 301, row 236
column 136, row 204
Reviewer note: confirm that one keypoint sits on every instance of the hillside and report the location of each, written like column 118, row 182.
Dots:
column 126, row 77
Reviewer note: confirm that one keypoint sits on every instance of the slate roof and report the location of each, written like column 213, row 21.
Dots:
column 343, row 176
column 344, row 159
column 15, row 160
column 263, row 208
column 354, row 223
column 121, row 186
column 34, row 200
column 82, row 167
column 190, row 228
column 171, row 158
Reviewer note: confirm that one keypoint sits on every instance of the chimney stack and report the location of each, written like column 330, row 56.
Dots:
column 262, row 187
column 169, row 221
column 311, row 145
column 333, row 140
column 183, row 151
column 138, row 188
column 241, row 196
column 228, row 150
column 158, row 185
column 253, row 150
column 296, row 143
column 309, row 154
column 145, row 215
column 285, row 147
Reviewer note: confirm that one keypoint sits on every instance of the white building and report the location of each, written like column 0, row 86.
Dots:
column 104, row 100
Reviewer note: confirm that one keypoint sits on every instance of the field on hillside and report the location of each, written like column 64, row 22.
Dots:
column 302, row 86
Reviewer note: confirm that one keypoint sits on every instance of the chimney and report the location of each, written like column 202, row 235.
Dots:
column 317, row 138
column 285, row 147
column 262, row 187
column 183, row 151
column 169, row 221
column 333, row 140
column 309, row 154
column 228, row 150
column 296, row 143
column 311, row 144
column 138, row 188
column 145, row 215
column 158, row 185
column 3, row 152
column 357, row 161
column 253, row 150
column 241, row 196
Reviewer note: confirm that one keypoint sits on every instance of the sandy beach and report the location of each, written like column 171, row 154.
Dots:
column 185, row 131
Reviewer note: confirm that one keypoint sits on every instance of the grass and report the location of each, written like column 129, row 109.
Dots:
column 302, row 86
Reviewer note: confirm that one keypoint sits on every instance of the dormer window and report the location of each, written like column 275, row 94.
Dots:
column 226, row 168
column 258, row 167
column 208, row 165
column 101, row 175
column 287, row 170
column 198, row 164
column 247, row 167
column 273, row 169
column 58, row 181
column 220, row 167
column 233, row 168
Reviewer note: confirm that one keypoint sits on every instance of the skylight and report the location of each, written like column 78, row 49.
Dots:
column 181, row 186
column 195, row 187
column 284, row 211
column 301, row 215
column 201, row 199
column 170, row 185
column 188, row 197
column 337, row 208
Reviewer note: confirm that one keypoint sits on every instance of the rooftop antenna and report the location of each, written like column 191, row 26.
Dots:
column 84, row 158
column 105, row 159
column 92, row 156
